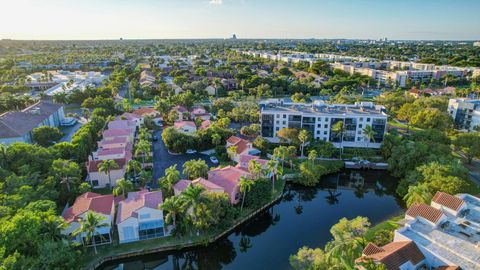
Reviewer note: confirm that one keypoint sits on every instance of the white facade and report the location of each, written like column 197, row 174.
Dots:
column 465, row 113
column 128, row 230
column 100, row 179
column 319, row 119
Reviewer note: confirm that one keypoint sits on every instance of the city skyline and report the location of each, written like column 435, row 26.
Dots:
column 202, row 19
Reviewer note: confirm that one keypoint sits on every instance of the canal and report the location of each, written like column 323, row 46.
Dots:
column 302, row 218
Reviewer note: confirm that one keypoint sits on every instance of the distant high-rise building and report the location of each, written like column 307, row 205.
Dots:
column 476, row 43
column 234, row 36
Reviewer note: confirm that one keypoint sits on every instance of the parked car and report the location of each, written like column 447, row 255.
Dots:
column 191, row 151
column 213, row 159
column 155, row 138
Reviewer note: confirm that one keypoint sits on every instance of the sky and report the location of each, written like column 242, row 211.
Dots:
column 171, row 19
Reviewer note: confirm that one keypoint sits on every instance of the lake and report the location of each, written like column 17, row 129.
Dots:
column 302, row 218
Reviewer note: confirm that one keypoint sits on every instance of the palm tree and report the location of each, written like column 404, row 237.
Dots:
column 419, row 193
column 245, row 185
column 192, row 196
column 280, row 152
column 106, row 167
column 3, row 155
column 216, row 139
column 89, row 225
column 142, row 150
column 86, row 113
column 123, row 186
column 245, row 244
column 172, row 176
column 255, row 168
column 312, row 156
column 173, row 206
column 272, row 166
column 232, row 151
column 370, row 133
column 339, row 129
column 195, row 168
column 134, row 166
column 303, row 137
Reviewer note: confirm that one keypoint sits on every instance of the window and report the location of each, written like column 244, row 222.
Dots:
column 278, row 115
column 360, row 126
column 284, row 116
column 95, row 183
column 277, row 128
column 143, row 216
column 361, row 118
column 319, row 119
column 326, row 119
column 284, row 122
column 325, row 132
column 325, row 126
column 324, row 139
column 318, row 132
column 368, row 119
column 359, row 132
column 319, row 125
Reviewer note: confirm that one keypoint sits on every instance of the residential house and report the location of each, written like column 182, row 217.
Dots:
column 131, row 118
column 187, row 127
column 139, row 216
column 229, row 178
column 229, row 84
column 211, row 90
column 205, row 124
column 102, row 205
column 242, row 147
column 245, row 159
column 100, row 179
column 403, row 255
column 114, row 133
column 147, row 79
column 17, row 126
column 145, row 111
column 182, row 112
column 209, row 186
column 446, row 231
column 200, row 112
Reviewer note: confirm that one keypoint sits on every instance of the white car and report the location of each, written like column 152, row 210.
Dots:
column 191, row 151
column 213, row 159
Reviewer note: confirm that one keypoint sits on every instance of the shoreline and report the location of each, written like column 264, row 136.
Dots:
column 96, row 263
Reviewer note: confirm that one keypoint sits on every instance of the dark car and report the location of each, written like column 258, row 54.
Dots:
column 155, row 138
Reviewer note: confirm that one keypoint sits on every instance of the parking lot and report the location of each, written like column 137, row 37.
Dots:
column 162, row 159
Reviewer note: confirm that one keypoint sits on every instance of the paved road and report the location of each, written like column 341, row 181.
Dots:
column 162, row 159
column 69, row 131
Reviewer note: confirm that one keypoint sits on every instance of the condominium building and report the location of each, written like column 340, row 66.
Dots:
column 320, row 118
column 465, row 113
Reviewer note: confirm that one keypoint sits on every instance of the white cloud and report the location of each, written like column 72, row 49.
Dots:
column 216, row 2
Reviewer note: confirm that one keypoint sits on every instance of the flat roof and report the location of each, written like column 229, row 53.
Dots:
column 336, row 109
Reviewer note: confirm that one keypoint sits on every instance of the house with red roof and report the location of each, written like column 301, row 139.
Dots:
column 131, row 118
column 139, row 216
column 242, row 147
column 114, row 142
column 425, row 213
column 200, row 112
column 209, row 186
column 448, row 203
column 145, row 111
column 187, row 127
column 229, row 178
column 403, row 255
column 99, row 179
column 245, row 160
column 112, row 133
column 103, row 205
column 205, row 124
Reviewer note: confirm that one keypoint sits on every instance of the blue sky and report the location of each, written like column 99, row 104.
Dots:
column 112, row 19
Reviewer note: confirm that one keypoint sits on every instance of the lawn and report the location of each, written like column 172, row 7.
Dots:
column 389, row 225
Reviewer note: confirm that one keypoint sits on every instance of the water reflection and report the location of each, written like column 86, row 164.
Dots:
column 303, row 217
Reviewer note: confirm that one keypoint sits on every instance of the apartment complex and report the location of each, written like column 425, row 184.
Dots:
column 442, row 235
column 17, row 126
column 319, row 119
column 398, row 73
column 465, row 113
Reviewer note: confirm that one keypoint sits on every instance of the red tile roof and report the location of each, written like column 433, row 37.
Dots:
column 180, row 124
column 241, row 144
column 208, row 185
column 102, row 204
column 233, row 140
column 93, row 165
column 205, row 124
column 448, row 200
column 426, row 211
column 145, row 110
column 117, row 132
column 182, row 185
column 394, row 254
column 180, row 109
column 136, row 201
column 448, row 268
column 227, row 177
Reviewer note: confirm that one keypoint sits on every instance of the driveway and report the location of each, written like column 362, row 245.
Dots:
column 69, row 132
column 162, row 159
